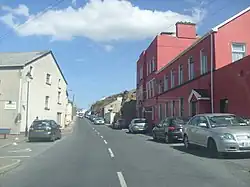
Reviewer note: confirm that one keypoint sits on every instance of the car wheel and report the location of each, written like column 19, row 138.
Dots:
column 167, row 139
column 154, row 136
column 186, row 142
column 52, row 138
column 30, row 139
column 212, row 149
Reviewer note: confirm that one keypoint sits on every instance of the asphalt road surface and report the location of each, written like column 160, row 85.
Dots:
column 94, row 156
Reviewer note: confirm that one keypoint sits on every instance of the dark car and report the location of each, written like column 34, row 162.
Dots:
column 44, row 130
column 170, row 129
column 119, row 124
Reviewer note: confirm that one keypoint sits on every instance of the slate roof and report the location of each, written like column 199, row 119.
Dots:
column 10, row 59
column 203, row 92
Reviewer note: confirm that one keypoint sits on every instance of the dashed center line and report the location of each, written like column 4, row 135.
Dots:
column 105, row 142
column 121, row 179
column 101, row 136
column 111, row 153
column 98, row 133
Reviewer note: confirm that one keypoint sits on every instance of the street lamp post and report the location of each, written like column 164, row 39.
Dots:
column 29, row 78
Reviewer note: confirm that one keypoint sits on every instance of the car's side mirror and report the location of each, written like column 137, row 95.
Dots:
column 203, row 125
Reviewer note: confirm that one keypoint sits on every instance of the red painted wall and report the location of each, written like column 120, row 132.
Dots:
column 195, row 53
column 169, row 47
column 185, row 30
column 235, row 31
column 232, row 83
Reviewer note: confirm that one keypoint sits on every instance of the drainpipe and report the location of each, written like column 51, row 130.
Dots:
column 212, row 72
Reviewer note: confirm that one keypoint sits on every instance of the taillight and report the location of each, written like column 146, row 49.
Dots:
column 171, row 128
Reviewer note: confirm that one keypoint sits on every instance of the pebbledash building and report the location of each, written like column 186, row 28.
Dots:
column 181, row 74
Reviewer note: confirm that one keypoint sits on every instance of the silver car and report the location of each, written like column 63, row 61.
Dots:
column 219, row 133
column 138, row 125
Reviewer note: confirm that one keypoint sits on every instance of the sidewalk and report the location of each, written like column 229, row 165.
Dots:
column 7, row 164
column 11, row 139
column 69, row 128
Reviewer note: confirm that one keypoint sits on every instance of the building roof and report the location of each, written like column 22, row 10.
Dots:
column 21, row 59
column 202, row 92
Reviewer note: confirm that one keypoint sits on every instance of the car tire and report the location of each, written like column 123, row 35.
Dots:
column 212, row 149
column 167, row 139
column 187, row 145
column 154, row 137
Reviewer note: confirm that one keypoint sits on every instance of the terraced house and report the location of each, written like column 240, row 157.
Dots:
column 210, row 75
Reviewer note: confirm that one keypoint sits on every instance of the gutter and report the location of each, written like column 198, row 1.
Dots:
column 212, row 72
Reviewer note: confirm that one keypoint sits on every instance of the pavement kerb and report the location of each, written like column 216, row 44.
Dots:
column 9, row 167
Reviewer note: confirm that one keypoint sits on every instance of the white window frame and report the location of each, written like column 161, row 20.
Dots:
column 172, row 78
column 48, row 78
column 160, row 112
column 203, row 65
column 153, row 113
column 166, row 109
column 150, row 67
column 243, row 52
column 180, row 74
column 190, row 77
column 153, row 63
column 47, row 102
column 59, row 97
column 166, row 83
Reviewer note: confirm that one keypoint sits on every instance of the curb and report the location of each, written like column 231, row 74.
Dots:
column 9, row 167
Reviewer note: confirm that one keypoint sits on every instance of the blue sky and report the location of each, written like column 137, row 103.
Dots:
column 97, row 44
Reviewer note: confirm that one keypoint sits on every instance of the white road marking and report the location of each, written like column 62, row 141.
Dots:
column 111, row 153
column 93, row 128
column 20, row 150
column 105, row 142
column 98, row 133
column 101, row 136
column 121, row 179
column 24, row 156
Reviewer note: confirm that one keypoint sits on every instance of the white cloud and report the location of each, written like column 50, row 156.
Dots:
column 108, row 48
column 101, row 20
column 21, row 10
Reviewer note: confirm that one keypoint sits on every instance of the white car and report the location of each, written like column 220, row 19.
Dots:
column 138, row 125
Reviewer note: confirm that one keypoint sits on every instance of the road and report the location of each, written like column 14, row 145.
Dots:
column 98, row 156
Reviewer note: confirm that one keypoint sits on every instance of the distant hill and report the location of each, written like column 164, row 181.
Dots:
column 98, row 105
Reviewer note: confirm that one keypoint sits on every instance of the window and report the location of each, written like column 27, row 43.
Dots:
column 48, row 79
column 204, row 68
column 153, row 64
column 172, row 78
column 173, row 108
column 238, row 51
column 180, row 74
column 141, row 73
column 59, row 83
column 160, row 112
column 181, row 106
column 165, row 83
column 47, row 103
column 150, row 67
column 191, row 68
column 153, row 113
column 59, row 98
column 166, row 109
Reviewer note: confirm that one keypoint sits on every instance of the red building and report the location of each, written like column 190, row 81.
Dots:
column 210, row 75
column 164, row 48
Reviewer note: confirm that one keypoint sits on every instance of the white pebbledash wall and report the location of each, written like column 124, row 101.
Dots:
column 39, row 90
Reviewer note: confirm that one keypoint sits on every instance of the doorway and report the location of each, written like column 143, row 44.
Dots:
column 59, row 118
column 193, row 108
column 224, row 105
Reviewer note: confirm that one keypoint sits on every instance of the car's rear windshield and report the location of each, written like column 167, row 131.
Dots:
column 40, row 123
column 140, row 121
column 99, row 118
column 178, row 121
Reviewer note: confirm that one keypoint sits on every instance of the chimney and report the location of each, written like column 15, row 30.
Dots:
column 185, row 30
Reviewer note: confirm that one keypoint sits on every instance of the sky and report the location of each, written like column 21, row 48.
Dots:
column 97, row 42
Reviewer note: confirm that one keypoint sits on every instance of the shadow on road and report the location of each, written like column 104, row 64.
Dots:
column 202, row 152
column 159, row 141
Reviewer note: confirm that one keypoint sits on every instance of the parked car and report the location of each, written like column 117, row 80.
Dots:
column 170, row 129
column 99, row 121
column 219, row 133
column 138, row 125
column 44, row 129
column 119, row 124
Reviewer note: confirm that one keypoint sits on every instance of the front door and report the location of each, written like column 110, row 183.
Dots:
column 193, row 108
column 59, row 118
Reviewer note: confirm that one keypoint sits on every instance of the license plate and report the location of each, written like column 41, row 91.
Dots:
column 245, row 144
column 39, row 130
